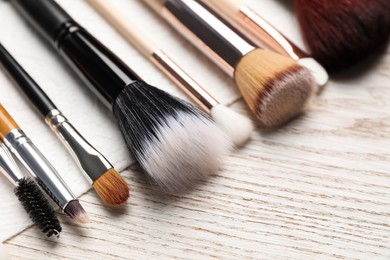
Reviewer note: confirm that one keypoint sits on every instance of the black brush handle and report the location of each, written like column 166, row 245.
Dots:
column 41, row 101
column 103, row 71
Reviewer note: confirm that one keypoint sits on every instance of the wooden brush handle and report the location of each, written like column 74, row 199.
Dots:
column 7, row 123
column 129, row 31
column 156, row 5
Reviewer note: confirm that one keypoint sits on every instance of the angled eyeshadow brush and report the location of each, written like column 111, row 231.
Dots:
column 174, row 142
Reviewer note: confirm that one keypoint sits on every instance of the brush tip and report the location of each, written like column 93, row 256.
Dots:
column 235, row 125
column 318, row 71
column 112, row 188
column 76, row 212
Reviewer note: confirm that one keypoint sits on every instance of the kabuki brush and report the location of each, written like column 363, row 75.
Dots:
column 341, row 33
column 30, row 196
column 235, row 125
column 275, row 87
column 174, row 142
column 39, row 167
column 107, row 182
column 264, row 35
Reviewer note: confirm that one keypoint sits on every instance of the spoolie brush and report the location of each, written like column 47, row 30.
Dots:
column 36, row 164
column 235, row 125
column 343, row 32
column 107, row 182
column 275, row 87
column 174, row 142
column 30, row 196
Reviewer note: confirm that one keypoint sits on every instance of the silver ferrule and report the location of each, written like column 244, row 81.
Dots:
column 208, row 32
column 8, row 165
column 92, row 163
column 39, row 167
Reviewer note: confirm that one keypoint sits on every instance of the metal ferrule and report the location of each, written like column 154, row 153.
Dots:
column 8, row 165
column 39, row 167
column 91, row 162
column 208, row 32
column 184, row 81
column 266, row 36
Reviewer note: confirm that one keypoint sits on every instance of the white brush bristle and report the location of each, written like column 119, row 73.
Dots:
column 235, row 125
column 318, row 71
column 187, row 149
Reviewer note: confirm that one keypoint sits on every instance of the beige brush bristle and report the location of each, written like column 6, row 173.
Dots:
column 275, row 87
column 112, row 188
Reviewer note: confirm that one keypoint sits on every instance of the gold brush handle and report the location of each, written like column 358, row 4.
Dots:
column 7, row 123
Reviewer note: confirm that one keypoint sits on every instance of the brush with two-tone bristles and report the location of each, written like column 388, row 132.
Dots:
column 275, row 87
column 107, row 182
column 174, row 142
column 39, row 167
column 235, row 125
column 340, row 33
column 264, row 35
column 30, row 196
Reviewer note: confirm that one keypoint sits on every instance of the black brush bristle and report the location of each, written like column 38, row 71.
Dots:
column 37, row 206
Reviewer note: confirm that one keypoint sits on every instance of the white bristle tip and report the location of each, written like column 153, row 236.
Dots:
column 320, row 75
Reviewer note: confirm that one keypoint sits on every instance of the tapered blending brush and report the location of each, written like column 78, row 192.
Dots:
column 174, row 142
column 275, row 87
column 264, row 35
column 30, row 196
column 235, row 125
column 340, row 33
column 107, row 182
column 39, row 167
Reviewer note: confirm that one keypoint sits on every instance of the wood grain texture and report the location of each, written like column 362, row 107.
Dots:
column 317, row 188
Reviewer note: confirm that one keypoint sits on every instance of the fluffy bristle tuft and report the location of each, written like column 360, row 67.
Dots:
column 76, row 212
column 174, row 142
column 237, row 126
column 275, row 87
column 112, row 188
column 38, row 207
column 342, row 32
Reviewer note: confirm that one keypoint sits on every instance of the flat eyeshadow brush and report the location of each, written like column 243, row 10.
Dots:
column 235, row 125
column 264, row 35
column 275, row 87
column 107, row 182
column 173, row 141
column 39, row 167
column 29, row 195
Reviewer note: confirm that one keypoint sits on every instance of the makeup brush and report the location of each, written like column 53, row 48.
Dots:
column 107, row 182
column 235, row 125
column 264, row 35
column 275, row 87
column 30, row 196
column 173, row 141
column 39, row 167
column 343, row 32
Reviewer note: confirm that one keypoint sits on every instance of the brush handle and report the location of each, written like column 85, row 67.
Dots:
column 102, row 70
column 26, row 83
column 206, row 30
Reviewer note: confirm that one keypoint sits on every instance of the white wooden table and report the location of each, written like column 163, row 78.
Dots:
column 317, row 188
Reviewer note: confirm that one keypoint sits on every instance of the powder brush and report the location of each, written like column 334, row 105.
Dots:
column 341, row 33
column 39, row 167
column 275, row 88
column 264, row 35
column 29, row 195
column 173, row 141
column 235, row 125
column 107, row 182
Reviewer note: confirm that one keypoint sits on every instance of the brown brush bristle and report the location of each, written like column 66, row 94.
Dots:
column 342, row 32
column 275, row 87
column 76, row 212
column 112, row 188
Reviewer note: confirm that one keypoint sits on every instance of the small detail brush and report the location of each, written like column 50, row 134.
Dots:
column 275, row 87
column 39, row 167
column 340, row 33
column 264, row 35
column 30, row 196
column 174, row 142
column 235, row 125
column 107, row 182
